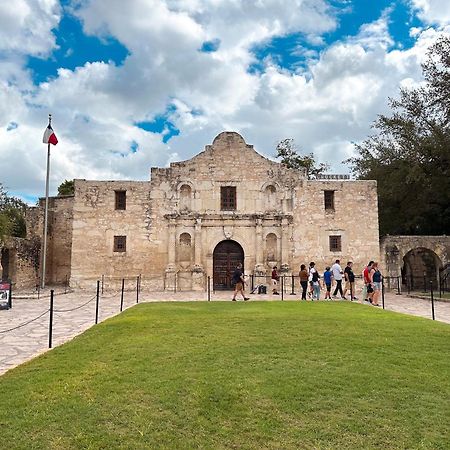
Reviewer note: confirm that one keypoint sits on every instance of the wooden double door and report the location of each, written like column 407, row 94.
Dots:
column 227, row 255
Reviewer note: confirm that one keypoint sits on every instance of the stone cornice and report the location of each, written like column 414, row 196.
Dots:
column 228, row 217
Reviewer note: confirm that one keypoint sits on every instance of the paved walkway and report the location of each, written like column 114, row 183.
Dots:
column 23, row 343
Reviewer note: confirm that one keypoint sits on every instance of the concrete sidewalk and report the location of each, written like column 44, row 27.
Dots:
column 23, row 343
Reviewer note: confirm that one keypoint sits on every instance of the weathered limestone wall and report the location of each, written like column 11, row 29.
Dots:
column 354, row 218
column 96, row 222
column 20, row 260
column 59, row 242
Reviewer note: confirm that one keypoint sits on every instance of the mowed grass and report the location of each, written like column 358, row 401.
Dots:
column 239, row 375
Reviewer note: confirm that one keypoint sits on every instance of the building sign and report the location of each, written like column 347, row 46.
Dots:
column 4, row 293
column 331, row 176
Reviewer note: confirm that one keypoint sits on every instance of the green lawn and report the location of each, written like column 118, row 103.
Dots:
column 237, row 375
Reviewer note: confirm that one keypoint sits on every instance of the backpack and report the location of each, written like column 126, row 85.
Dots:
column 315, row 276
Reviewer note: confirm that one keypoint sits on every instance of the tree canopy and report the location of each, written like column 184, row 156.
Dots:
column 67, row 187
column 12, row 212
column 289, row 154
column 409, row 153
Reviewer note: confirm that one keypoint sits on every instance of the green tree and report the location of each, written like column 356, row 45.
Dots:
column 409, row 154
column 289, row 154
column 67, row 187
column 12, row 215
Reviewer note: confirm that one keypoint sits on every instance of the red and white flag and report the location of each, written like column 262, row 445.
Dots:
column 49, row 136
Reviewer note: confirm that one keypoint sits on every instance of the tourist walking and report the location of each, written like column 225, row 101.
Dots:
column 375, row 279
column 337, row 275
column 367, row 290
column 349, row 281
column 314, row 281
column 275, row 279
column 303, row 275
column 311, row 270
column 239, row 283
column 327, row 279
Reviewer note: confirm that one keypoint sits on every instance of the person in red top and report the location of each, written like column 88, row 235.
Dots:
column 367, row 290
column 275, row 278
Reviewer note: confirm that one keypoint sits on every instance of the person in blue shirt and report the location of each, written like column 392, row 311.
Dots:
column 327, row 278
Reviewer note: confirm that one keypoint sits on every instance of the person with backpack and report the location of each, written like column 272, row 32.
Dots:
column 367, row 289
column 310, row 283
column 350, row 281
column 239, row 283
column 315, row 283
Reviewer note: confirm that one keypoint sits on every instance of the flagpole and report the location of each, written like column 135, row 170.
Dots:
column 44, row 251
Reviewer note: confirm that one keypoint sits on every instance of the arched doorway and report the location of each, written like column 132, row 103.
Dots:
column 420, row 266
column 227, row 255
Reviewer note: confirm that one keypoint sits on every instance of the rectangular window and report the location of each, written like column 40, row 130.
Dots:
column 121, row 199
column 329, row 200
column 120, row 243
column 228, row 198
column 335, row 244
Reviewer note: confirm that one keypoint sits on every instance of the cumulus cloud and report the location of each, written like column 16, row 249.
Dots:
column 433, row 11
column 26, row 26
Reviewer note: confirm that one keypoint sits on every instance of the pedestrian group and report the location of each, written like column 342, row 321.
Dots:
column 311, row 282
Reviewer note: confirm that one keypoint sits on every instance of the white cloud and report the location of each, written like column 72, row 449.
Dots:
column 26, row 26
column 433, row 11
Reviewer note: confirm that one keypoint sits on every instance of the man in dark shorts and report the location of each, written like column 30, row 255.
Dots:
column 239, row 283
column 349, row 281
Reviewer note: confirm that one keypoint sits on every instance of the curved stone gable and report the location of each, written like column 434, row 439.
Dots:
column 229, row 157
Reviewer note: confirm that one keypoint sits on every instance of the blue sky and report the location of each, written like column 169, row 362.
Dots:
column 142, row 83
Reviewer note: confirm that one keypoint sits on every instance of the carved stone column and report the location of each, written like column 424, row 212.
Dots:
column 259, row 265
column 198, row 275
column 198, row 242
column 170, row 282
column 285, row 247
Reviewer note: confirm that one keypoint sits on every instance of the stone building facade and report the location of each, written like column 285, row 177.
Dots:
column 199, row 218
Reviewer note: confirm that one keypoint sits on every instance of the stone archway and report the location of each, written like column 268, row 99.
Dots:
column 226, row 256
column 420, row 266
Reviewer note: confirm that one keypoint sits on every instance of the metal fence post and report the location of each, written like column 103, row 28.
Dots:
column 252, row 279
column 382, row 292
column 398, row 286
column 121, row 295
column 282, row 288
column 96, row 301
column 137, row 289
column 103, row 281
column 292, row 285
column 50, row 326
column 432, row 299
column 209, row 288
